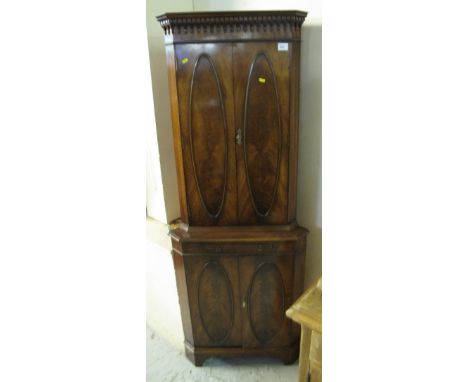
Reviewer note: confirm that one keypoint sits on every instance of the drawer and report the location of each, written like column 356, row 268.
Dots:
column 286, row 247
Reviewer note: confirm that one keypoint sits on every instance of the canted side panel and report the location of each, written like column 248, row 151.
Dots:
column 267, row 289
column 214, row 300
column 176, row 132
column 261, row 88
column 183, row 296
column 204, row 81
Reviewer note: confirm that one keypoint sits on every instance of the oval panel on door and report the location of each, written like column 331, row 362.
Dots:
column 262, row 134
column 208, row 135
column 215, row 301
column 266, row 302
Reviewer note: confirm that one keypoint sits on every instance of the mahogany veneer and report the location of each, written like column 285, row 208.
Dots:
column 238, row 252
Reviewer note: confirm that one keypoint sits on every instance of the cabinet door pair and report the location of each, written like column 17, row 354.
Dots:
column 240, row 300
column 234, row 127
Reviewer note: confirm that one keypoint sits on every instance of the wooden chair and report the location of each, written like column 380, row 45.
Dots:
column 307, row 311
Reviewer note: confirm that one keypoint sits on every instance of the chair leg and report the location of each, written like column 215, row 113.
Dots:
column 304, row 354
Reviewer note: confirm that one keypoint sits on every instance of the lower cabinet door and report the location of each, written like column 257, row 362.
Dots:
column 213, row 291
column 266, row 286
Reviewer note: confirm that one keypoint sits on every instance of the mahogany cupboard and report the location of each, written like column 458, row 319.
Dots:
column 238, row 252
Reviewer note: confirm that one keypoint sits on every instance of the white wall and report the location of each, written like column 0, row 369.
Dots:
column 161, row 153
column 313, row 7
column 162, row 304
column 309, row 187
column 155, row 206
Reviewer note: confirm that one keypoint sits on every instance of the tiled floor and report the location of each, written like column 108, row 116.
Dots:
column 164, row 363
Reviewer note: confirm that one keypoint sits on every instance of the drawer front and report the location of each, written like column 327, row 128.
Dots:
column 261, row 248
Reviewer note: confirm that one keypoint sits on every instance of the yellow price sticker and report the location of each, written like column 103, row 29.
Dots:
column 262, row 80
column 184, row 60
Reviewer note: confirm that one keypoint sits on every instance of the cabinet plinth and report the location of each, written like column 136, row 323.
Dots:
column 238, row 252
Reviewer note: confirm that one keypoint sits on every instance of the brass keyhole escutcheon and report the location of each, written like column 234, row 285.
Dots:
column 239, row 137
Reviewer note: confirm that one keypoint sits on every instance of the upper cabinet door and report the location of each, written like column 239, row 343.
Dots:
column 261, row 96
column 204, row 86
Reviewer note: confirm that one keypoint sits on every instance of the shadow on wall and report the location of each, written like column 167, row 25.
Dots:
column 309, row 188
column 162, row 108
